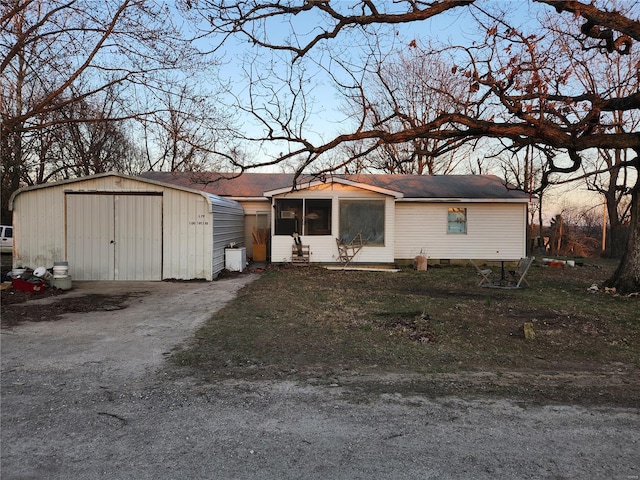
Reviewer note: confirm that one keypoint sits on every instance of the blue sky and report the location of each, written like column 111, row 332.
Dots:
column 455, row 26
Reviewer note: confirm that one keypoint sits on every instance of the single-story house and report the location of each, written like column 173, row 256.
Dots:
column 443, row 217
column 117, row 227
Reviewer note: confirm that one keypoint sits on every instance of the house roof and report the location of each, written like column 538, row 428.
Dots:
column 247, row 185
column 409, row 187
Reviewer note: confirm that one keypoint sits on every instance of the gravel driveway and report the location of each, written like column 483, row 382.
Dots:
column 88, row 397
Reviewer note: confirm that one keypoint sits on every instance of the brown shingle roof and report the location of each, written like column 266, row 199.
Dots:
column 252, row 185
column 246, row 185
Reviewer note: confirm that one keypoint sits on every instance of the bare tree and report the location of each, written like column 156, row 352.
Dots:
column 524, row 169
column 610, row 176
column 406, row 89
column 87, row 148
column 524, row 88
column 184, row 134
column 58, row 57
column 606, row 171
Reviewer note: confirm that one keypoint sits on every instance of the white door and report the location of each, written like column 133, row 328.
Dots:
column 138, row 237
column 90, row 242
column 114, row 236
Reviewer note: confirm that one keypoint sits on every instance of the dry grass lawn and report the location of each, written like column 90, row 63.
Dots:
column 433, row 332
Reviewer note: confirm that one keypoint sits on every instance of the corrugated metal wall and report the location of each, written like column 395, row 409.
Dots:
column 138, row 237
column 187, row 236
column 167, row 231
column 495, row 231
column 228, row 227
column 91, row 236
column 39, row 228
column 114, row 237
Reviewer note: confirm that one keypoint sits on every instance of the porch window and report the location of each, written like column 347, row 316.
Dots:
column 317, row 216
column 288, row 216
column 365, row 217
column 315, row 221
column 457, row 220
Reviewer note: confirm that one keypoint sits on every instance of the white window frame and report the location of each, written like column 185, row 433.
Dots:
column 457, row 218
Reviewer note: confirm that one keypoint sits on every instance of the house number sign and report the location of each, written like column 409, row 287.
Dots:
column 200, row 220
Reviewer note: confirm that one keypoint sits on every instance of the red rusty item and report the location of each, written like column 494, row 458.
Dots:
column 31, row 287
column 556, row 264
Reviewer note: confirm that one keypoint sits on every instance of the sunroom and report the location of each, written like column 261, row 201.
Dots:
column 323, row 213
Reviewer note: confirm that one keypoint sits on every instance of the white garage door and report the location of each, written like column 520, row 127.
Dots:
column 114, row 236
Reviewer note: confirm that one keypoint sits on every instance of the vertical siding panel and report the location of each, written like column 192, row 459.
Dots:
column 185, row 230
column 39, row 233
column 90, row 237
column 139, row 237
column 202, row 239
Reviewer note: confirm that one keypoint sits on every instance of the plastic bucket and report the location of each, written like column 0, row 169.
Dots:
column 60, row 269
column 259, row 252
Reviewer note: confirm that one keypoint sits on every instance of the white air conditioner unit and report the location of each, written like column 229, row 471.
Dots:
column 287, row 214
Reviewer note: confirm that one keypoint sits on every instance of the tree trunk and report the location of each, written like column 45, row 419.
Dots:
column 617, row 231
column 559, row 241
column 626, row 278
column 617, row 241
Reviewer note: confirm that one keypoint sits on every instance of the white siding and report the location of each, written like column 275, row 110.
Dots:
column 495, row 231
column 323, row 248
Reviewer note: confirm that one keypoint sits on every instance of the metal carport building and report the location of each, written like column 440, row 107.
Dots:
column 117, row 227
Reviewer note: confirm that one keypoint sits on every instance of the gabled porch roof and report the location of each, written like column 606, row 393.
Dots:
column 339, row 180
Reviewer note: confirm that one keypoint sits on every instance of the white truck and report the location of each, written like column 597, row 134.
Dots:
column 6, row 239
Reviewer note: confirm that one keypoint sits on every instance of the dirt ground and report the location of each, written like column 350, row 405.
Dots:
column 89, row 394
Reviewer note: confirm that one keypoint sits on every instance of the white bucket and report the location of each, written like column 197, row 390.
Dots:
column 43, row 273
column 60, row 269
column 18, row 272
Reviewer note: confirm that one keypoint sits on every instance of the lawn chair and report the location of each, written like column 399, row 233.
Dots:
column 300, row 254
column 346, row 251
column 483, row 273
column 516, row 277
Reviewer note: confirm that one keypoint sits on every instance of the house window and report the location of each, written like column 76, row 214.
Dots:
column 315, row 221
column 457, row 220
column 365, row 217
column 262, row 219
